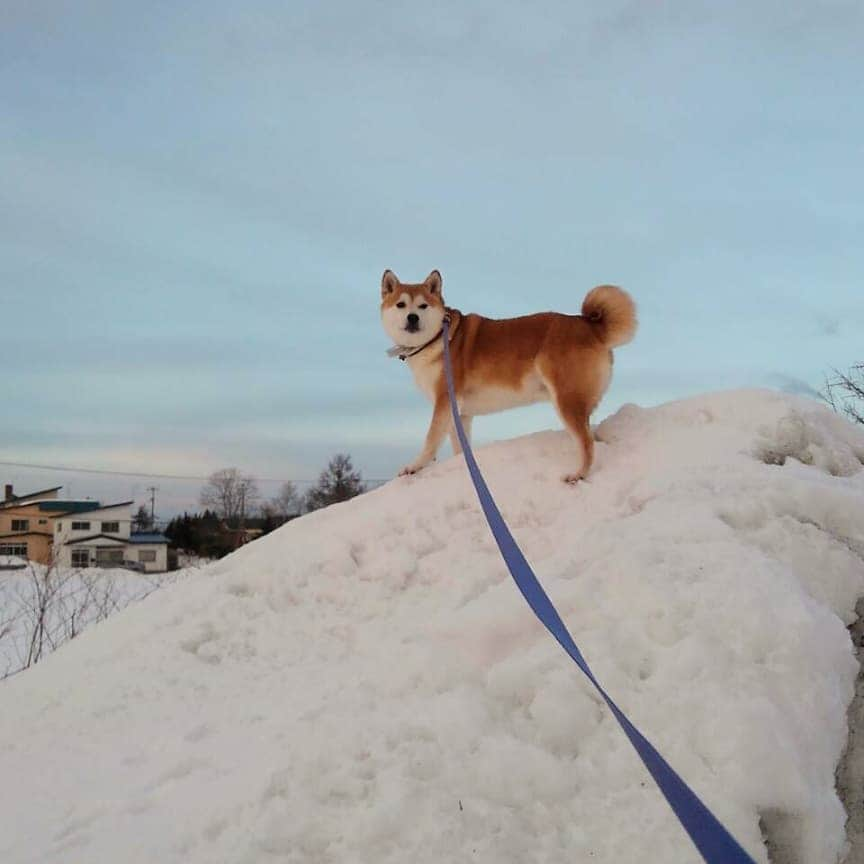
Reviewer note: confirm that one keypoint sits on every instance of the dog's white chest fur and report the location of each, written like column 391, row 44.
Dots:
column 478, row 399
column 426, row 374
column 489, row 400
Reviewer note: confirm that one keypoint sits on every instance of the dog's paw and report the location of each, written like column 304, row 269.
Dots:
column 414, row 467
column 573, row 479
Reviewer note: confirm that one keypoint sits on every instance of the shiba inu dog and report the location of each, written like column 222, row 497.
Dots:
column 498, row 364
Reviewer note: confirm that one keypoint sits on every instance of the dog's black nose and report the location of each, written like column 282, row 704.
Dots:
column 413, row 318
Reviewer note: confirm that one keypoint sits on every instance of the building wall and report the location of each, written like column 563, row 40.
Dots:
column 38, row 546
column 94, row 519
column 58, row 531
column 158, row 551
column 99, row 551
column 37, row 535
column 38, row 521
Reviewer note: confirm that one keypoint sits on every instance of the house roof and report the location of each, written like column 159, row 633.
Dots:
column 54, row 506
column 95, row 505
column 147, row 537
column 76, row 507
column 18, row 499
column 61, row 508
column 121, row 540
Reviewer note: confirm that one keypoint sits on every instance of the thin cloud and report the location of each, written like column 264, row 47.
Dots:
column 792, row 384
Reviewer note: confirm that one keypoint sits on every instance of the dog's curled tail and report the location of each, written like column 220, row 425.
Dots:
column 612, row 314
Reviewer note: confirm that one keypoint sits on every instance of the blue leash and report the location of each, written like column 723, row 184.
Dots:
column 714, row 842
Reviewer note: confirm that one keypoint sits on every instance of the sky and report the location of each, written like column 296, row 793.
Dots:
column 197, row 202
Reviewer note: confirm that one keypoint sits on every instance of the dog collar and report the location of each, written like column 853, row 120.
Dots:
column 403, row 352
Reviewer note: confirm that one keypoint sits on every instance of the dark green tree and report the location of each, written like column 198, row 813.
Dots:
column 337, row 482
column 179, row 532
column 142, row 521
column 203, row 534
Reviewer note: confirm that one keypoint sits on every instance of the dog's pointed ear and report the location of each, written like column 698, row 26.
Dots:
column 389, row 283
column 433, row 283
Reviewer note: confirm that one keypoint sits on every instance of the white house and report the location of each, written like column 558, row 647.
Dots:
column 101, row 536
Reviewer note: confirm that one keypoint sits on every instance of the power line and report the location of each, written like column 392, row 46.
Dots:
column 113, row 473
column 105, row 471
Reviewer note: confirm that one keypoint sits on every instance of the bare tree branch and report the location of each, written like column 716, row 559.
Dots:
column 844, row 392
column 231, row 495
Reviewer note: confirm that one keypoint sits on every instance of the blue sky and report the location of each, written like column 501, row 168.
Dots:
column 198, row 201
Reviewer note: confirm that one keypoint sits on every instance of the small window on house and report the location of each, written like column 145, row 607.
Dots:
column 110, row 527
column 80, row 557
column 59, row 526
column 43, row 521
column 19, row 549
column 109, row 556
column 147, row 556
column 20, row 524
column 80, row 526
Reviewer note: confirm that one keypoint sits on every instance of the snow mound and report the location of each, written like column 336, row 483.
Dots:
column 41, row 607
column 367, row 685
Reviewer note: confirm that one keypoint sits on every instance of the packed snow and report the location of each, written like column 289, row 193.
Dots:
column 43, row 607
column 366, row 684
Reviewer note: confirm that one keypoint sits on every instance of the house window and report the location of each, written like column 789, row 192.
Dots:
column 19, row 549
column 20, row 524
column 43, row 521
column 80, row 557
column 110, row 527
column 80, row 526
column 109, row 556
column 147, row 556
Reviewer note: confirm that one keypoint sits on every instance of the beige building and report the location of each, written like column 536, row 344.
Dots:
column 76, row 533
column 26, row 531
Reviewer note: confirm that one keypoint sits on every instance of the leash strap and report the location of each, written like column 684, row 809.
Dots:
column 714, row 842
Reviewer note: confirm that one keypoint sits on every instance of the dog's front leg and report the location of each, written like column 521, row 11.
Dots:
column 454, row 438
column 437, row 431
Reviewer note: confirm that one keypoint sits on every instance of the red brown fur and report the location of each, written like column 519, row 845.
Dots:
column 566, row 359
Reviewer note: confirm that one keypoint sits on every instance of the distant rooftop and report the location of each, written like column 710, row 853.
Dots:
column 147, row 537
column 11, row 499
column 52, row 505
column 95, row 505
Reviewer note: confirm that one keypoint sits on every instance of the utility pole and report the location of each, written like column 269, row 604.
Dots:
column 152, row 490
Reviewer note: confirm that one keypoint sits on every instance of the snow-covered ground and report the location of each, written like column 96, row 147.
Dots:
column 42, row 607
column 12, row 562
column 367, row 685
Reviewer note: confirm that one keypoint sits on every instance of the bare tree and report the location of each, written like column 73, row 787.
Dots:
column 287, row 502
column 36, row 605
column 844, row 392
column 53, row 606
column 50, row 605
column 231, row 495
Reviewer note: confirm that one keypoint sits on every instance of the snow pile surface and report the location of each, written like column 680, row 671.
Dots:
column 41, row 608
column 367, row 685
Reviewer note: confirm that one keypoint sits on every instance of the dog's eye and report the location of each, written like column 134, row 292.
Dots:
column 400, row 304
column 424, row 305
